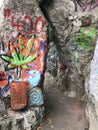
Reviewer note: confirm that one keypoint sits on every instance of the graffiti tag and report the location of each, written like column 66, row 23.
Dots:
column 26, row 23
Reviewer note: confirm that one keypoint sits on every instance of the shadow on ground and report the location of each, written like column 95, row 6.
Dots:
column 62, row 113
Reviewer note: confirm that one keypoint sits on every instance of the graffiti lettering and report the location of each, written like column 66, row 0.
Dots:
column 27, row 17
column 26, row 23
column 39, row 24
column 13, row 24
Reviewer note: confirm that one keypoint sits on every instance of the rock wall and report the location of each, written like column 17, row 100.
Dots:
column 22, row 56
column 74, row 33
column 72, row 60
column 73, row 36
column 92, row 105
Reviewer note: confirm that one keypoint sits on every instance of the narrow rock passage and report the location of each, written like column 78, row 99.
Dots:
column 62, row 113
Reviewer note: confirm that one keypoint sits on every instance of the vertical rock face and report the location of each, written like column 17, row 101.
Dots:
column 68, row 18
column 22, row 56
column 92, row 106
column 74, row 37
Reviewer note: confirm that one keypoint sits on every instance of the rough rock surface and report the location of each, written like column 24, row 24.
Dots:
column 92, row 105
column 27, row 118
column 20, row 120
column 73, row 58
column 92, row 113
column 67, row 20
column 72, row 68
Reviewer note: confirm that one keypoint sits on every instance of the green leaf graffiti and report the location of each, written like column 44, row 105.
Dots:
column 21, row 54
column 86, row 37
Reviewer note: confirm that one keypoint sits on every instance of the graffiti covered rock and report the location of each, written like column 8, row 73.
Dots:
column 22, row 55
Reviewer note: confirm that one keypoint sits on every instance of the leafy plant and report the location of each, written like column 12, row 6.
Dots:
column 85, row 38
column 21, row 54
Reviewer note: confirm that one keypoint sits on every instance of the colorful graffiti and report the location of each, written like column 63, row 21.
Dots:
column 85, row 38
column 35, row 97
column 24, row 51
column 21, row 53
column 89, row 5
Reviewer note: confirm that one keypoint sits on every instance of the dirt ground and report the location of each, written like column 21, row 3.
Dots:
column 62, row 113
